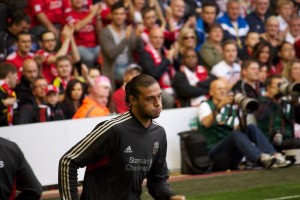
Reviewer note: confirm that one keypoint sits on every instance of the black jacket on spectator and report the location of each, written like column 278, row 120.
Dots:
column 23, row 92
column 255, row 23
column 148, row 65
column 243, row 87
column 185, row 91
column 33, row 113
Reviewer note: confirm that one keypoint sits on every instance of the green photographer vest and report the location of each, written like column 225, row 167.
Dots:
column 217, row 132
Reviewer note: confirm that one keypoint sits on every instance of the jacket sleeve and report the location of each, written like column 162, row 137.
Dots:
column 84, row 152
column 158, row 175
column 26, row 181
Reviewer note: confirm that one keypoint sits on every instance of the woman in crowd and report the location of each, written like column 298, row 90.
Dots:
column 74, row 95
column 294, row 72
column 273, row 36
column 262, row 54
column 187, row 39
column 211, row 51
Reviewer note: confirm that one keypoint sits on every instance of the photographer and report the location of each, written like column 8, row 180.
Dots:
column 278, row 113
column 226, row 144
column 249, row 84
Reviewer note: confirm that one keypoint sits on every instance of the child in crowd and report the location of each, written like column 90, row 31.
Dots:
column 252, row 38
column 54, row 111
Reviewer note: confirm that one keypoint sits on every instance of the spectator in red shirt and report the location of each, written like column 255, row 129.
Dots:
column 64, row 69
column 16, row 23
column 87, row 25
column 118, row 97
column 46, row 15
column 48, row 54
column 22, row 53
column 150, row 20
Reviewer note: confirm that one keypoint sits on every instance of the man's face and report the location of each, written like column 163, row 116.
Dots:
column 190, row 59
column 287, row 52
column 252, row 39
column 148, row 104
column 273, row 88
column 216, row 35
column 101, row 95
column 64, row 68
column 24, row 43
column 178, row 8
column 233, row 10
column 49, row 42
column 150, row 19
column 209, row 14
column 119, row 17
column 218, row 90
column 261, row 6
column 272, row 27
column 39, row 87
column 52, row 98
column 13, row 79
column 157, row 38
column 30, row 71
column 230, row 53
column 295, row 27
column 251, row 73
column 286, row 11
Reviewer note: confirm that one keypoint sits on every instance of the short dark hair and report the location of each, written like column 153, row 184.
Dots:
column 23, row 33
column 6, row 68
column 32, row 85
column 117, row 6
column 210, row 4
column 227, row 42
column 43, row 33
column 246, row 63
column 132, row 86
column 61, row 58
column 213, row 26
column 271, row 78
column 147, row 9
column 17, row 17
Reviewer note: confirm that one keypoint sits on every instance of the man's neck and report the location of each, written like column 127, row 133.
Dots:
column 117, row 28
column 22, row 54
column 145, row 122
column 229, row 63
column 251, row 83
column 261, row 16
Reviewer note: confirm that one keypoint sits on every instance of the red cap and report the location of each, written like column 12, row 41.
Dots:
column 51, row 88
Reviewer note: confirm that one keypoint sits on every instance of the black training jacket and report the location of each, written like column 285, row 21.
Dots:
column 118, row 154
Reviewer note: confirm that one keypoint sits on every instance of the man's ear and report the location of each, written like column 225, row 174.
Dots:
column 132, row 100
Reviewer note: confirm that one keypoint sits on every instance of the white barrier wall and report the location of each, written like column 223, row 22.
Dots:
column 44, row 143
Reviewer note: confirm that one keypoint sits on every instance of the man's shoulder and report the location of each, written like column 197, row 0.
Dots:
column 12, row 56
column 8, row 145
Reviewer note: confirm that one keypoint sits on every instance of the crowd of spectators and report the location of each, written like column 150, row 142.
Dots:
column 72, row 58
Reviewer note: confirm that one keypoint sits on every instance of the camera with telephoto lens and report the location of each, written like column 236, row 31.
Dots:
column 245, row 103
column 286, row 89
